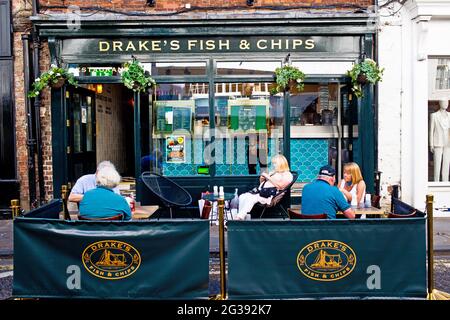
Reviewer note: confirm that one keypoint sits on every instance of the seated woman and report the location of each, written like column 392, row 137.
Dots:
column 279, row 179
column 102, row 202
column 353, row 186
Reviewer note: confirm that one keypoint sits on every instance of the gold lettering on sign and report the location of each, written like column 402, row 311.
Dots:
column 210, row 45
column 117, row 45
column 103, row 46
column 260, row 44
column 130, row 46
column 297, row 43
column 224, row 43
column 310, row 44
column 191, row 44
column 156, row 45
column 174, row 45
column 276, row 44
column 143, row 45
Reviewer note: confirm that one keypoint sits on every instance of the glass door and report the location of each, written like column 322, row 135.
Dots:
column 81, row 144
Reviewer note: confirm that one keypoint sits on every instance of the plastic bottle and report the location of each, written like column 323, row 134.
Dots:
column 216, row 192
column 221, row 192
column 368, row 202
column 234, row 204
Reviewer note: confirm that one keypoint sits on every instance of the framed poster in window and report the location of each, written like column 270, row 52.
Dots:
column 248, row 115
column 175, row 149
column 173, row 115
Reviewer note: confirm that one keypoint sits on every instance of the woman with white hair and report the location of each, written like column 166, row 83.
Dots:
column 102, row 202
column 270, row 184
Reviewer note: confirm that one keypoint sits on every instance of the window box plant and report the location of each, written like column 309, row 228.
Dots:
column 364, row 72
column 288, row 77
column 55, row 77
column 135, row 77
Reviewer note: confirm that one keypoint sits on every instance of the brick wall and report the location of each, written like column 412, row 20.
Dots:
column 169, row 5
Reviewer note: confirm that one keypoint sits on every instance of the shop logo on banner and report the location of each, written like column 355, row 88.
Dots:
column 111, row 259
column 326, row 260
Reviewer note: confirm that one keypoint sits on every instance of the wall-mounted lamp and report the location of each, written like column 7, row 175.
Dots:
column 151, row 3
column 99, row 88
column 250, row 2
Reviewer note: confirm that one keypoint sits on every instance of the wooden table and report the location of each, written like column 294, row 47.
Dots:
column 143, row 212
column 371, row 210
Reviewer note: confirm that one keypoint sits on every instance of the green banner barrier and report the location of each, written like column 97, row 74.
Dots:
column 323, row 258
column 111, row 260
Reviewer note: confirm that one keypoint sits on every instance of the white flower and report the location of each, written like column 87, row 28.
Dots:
column 37, row 80
column 299, row 80
column 58, row 74
column 53, row 66
column 50, row 72
column 36, row 92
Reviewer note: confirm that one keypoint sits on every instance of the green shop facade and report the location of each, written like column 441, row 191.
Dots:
column 212, row 120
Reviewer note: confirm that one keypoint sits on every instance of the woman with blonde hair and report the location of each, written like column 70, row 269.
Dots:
column 353, row 186
column 270, row 184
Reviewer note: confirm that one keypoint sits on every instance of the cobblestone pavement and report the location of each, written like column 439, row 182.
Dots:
column 441, row 274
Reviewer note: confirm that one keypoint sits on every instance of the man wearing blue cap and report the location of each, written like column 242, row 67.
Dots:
column 321, row 196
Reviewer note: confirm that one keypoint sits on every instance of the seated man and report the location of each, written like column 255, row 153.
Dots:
column 102, row 202
column 321, row 196
column 87, row 182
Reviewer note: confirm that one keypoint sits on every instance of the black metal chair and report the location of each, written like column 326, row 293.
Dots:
column 170, row 193
column 276, row 200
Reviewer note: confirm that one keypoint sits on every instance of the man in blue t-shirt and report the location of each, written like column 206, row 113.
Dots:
column 102, row 202
column 321, row 196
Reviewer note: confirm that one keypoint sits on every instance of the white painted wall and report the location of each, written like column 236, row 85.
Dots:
column 405, row 42
column 389, row 104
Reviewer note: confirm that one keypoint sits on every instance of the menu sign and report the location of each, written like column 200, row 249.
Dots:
column 175, row 147
column 248, row 115
column 173, row 115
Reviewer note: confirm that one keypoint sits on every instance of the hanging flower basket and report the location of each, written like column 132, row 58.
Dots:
column 288, row 77
column 361, row 79
column 55, row 78
column 363, row 73
column 58, row 83
column 135, row 77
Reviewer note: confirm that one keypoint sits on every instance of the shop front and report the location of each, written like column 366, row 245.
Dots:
column 211, row 120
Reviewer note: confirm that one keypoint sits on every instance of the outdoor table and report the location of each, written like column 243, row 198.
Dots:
column 380, row 213
column 214, row 198
column 143, row 212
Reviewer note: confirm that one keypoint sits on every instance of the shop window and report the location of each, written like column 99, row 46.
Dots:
column 439, row 140
column 442, row 81
column 316, row 105
column 180, row 130
column 256, row 68
column 314, row 126
column 248, row 128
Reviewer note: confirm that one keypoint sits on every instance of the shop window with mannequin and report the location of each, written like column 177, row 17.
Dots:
column 439, row 136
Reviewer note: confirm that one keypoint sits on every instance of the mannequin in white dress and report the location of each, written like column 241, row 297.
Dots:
column 439, row 141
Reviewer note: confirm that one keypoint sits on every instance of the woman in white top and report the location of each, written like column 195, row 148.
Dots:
column 353, row 186
column 279, row 179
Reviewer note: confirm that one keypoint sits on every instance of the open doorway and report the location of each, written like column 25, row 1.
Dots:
column 100, row 127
